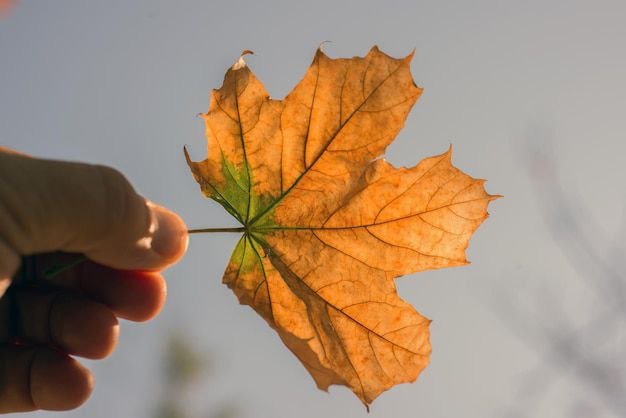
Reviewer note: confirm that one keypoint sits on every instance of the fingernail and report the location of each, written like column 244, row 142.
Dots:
column 170, row 237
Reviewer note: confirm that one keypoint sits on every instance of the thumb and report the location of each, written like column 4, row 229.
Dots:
column 50, row 206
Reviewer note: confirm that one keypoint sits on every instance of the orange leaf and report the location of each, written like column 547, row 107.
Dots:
column 328, row 224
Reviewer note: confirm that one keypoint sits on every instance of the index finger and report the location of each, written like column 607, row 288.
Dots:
column 89, row 209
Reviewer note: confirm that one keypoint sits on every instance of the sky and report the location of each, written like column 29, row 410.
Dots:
column 530, row 94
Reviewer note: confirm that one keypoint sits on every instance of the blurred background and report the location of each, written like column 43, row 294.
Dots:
column 532, row 95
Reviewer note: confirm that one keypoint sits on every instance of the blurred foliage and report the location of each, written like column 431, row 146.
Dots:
column 227, row 411
column 169, row 409
column 183, row 366
column 580, row 342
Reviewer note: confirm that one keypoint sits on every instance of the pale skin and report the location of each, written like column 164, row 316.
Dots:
column 51, row 208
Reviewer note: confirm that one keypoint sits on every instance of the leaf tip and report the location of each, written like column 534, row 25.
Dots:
column 241, row 63
column 375, row 50
column 409, row 57
column 319, row 52
column 447, row 154
column 186, row 154
column 320, row 47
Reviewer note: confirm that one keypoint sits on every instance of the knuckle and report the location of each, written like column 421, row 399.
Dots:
column 123, row 209
column 112, row 179
column 116, row 193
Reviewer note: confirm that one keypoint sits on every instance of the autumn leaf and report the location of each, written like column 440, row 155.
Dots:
column 327, row 223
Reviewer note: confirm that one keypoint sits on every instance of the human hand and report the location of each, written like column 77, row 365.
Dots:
column 47, row 210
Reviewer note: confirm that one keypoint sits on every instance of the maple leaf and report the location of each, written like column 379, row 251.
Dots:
column 327, row 225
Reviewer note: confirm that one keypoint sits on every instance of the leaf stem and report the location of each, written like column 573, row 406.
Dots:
column 210, row 230
column 51, row 272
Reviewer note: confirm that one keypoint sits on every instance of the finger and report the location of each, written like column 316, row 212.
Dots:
column 70, row 322
column 52, row 205
column 39, row 378
column 132, row 295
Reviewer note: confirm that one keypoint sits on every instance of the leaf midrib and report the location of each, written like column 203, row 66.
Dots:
column 265, row 229
column 261, row 214
column 383, row 337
